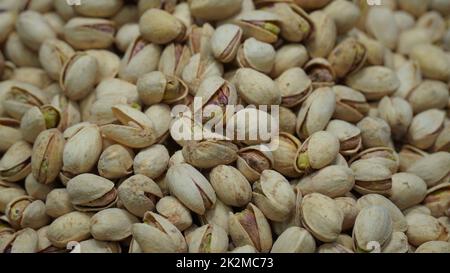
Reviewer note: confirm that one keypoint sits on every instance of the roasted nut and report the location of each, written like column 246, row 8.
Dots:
column 47, row 156
column 160, row 27
column 112, row 224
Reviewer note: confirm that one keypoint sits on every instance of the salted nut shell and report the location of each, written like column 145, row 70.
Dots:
column 407, row 190
column 73, row 226
column 160, row 27
column 21, row 97
column 25, row 212
column 15, row 164
column 89, row 33
column 321, row 217
column 320, row 71
column 173, row 59
column 259, row 24
column 219, row 215
column 225, row 42
column 23, row 241
column 230, row 185
column 438, row 199
column 155, row 87
column 9, row 133
column 351, row 105
column 209, row 153
column 398, row 113
column 199, row 68
column 371, row 177
column 348, row 134
column 432, row 61
column 256, row 55
column 209, row 238
column 47, row 156
column 53, row 54
column 256, row 88
column 348, row 57
column 379, row 155
column 423, row 228
column 295, row 86
column 39, row 119
column 90, row 192
column 250, row 227
column 284, row 153
column 112, row 224
column 102, row 8
column 33, row 29
column 175, row 212
column 294, row 240
column 116, row 161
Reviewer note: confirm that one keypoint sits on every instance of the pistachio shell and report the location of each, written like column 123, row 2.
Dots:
column 424, row 228
column 294, row 240
column 209, row 153
column 15, row 163
column 373, row 224
column 433, row 169
column 151, row 162
column 425, row 128
column 407, row 190
column 208, row 239
column 256, row 55
column 47, row 157
column 175, row 212
column 160, row 27
column 257, row 88
column 231, row 186
column 225, row 42
column 112, row 224
column 73, row 226
column 432, row 61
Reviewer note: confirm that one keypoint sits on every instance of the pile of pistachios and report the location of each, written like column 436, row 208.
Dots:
column 361, row 162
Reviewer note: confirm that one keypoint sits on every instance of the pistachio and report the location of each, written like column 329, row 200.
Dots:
column 284, row 154
column 208, row 239
column 15, row 164
column 438, row 200
column 47, row 156
column 174, row 58
column 116, row 161
column 126, row 35
column 218, row 214
column 9, row 133
column 112, row 224
column 348, row 57
column 257, row 88
column 259, row 24
column 24, row 241
column 295, row 87
column 174, row 211
column 95, row 246
column 397, row 113
column 102, row 8
column 434, row 247
column 53, row 54
column 225, row 42
column 375, row 132
column 152, row 162
column 433, row 169
column 73, row 226
column 253, row 160
column 323, row 39
column 348, row 134
column 32, row 29
column 345, row 14
column 24, row 212
column 407, row 190
column 89, row 33
column 373, row 224
column 215, row 9
column 21, row 97
column 155, row 87
column 432, row 61
column 350, row 211
column 36, row 189
column 428, row 95
column 289, row 56
column 425, row 128
column 408, row 155
column 380, row 23
column 351, row 105
column 294, row 240
column 371, row 177
column 424, row 228
column 321, row 72
column 18, row 53
column 160, row 27
column 230, row 185
column 58, row 203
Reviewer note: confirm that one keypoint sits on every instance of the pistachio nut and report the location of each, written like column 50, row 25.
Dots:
column 225, row 42
column 199, row 68
column 348, row 134
column 152, row 162
column 294, row 240
column 323, row 39
column 350, row 211
column 33, row 29
column 432, row 61
column 398, row 113
column 47, row 156
column 312, row 4
column 89, row 192
column 161, row 116
column 108, row 63
column 24, row 211
column 7, row 21
column 408, row 155
column 155, row 87
column 18, row 53
column 139, row 194
column 214, row 10
column 112, row 224
column 257, row 55
column 412, row 37
column 348, row 57
column 204, row 154
column 218, row 214
column 199, row 40
column 53, row 54
column 433, row 22
column 21, row 97
column 9, row 193
column 371, row 177
column 58, row 203
column 321, row 217
column 79, row 66
column 160, row 27
column 295, row 86
column 70, row 111
column 257, row 88
column 89, row 33
column 230, row 185
column 173, row 59
column 294, row 219
column 434, row 247
column 380, row 23
column 345, row 14
column 423, row 228
column 397, row 244
column 23, row 241
column 262, row 25
column 9, row 133
column 209, row 238
column 39, row 119
column 250, row 227
column 428, row 95
column 433, row 168
column 95, row 246
column 438, row 199
column 351, row 105
column 425, row 128
column 320, row 71
column 15, row 164
column 289, row 56
column 410, row 77
column 73, row 226
column 407, row 190
column 126, row 35
column 253, row 160
column 174, row 211
column 116, row 161
column 380, row 155
column 288, row 120
column 284, row 154
column 36, row 189
column 375, row 132
column 102, row 8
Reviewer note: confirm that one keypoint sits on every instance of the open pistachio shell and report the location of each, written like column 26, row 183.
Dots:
column 15, row 164
column 260, row 24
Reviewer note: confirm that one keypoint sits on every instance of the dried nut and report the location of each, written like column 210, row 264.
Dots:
column 416, row 8
column 199, row 68
column 295, row 86
column 89, row 33
column 47, row 156
column 348, row 134
column 161, row 116
column 371, row 177
column 9, row 133
column 351, row 105
column 407, row 190
column 158, row 235
column 79, row 66
column 428, row 95
column 140, row 58
column 190, row 187
column 284, row 153
column 225, row 42
column 96, row 8
column 294, row 219
column 350, row 211
column 58, row 203
column 321, row 217
column 15, row 164
column 70, row 112
column 438, row 199
column 7, row 21
column 90, row 192
column 250, row 227
column 423, row 228
column 256, row 88
column 73, row 226
column 24, row 211
column 23, row 241
column 231, row 186
column 320, row 71
column 373, row 224
column 333, row 248
column 155, row 87
column 126, row 35
column 289, row 56
column 253, row 160
column 39, row 119
column 425, row 128
column 432, row 61
column 33, row 29
column 408, row 155
column 345, row 14
column 160, row 27
column 397, row 244
column 136, row 129
column 410, row 77
column 209, row 238
column 323, row 39
column 21, row 97
column 375, row 132
column 82, row 149
column 139, row 194
column 174, row 211
column 260, row 24
column 294, row 240
column 332, row 181
column 380, row 155
column 433, row 169
column 214, row 10
column 434, row 23
column 173, row 59
column 434, row 247
column 398, row 113
column 287, row 121
column 374, row 82
column 318, row 151
column 209, row 153
column 247, row 126
column 417, row 209
column 36, row 189
column 408, row 39
column 152, row 162
column 108, row 63
column 312, row 4
column 348, row 57
column 53, row 54
column 19, row 54
column 380, row 23
column 116, row 161
column 95, row 246
column 257, row 55
column 112, row 224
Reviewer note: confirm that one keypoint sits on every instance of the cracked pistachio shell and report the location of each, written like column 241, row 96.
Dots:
column 409, row 76
column 345, row 14
column 44, row 244
column 135, row 131
column 89, row 192
column 375, row 132
column 15, row 164
column 321, row 217
column 318, row 151
column 379, row 155
column 58, row 203
column 257, row 55
column 158, row 235
column 167, row 5
column 398, row 113
column 348, row 57
column 53, row 54
column 161, row 116
column 24, row 211
column 214, row 10
column 9, row 133
column 398, row 219
column 73, row 226
column 225, row 42
column 315, row 112
column 289, row 56
column 332, row 181
column 126, row 35
column 9, row 194
column 294, row 240
column 373, row 224
column 99, row 8
column 320, row 72
column 433, row 169
column 160, row 27
column 117, row 88
column 371, row 177
column 112, row 224
column 21, row 97
column 274, row 196
column 434, row 247
column 139, row 194
column 7, row 22
column 257, row 88
column 217, row 215
column 82, row 149
column 209, row 153
column 231, row 186
column 349, row 209
column 285, row 147
column 348, row 134
column 351, row 105
column 438, row 200
column 428, row 95
column 260, row 24
column 407, row 190
column 323, row 39
column 432, row 61
column 425, row 128
column 404, row 20
column 253, row 160
column 414, row 7
column 209, row 238
column 152, row 162
column 47, row 156
column 116, row 161
column 190, row 187
column 33, row 29
column 374, row 82
column 423, row 228
column 215, row 91
column 89, row 33
column 18, row 53
column 199, row 39
column 173, row 59
column 295, row 86
column 155, row 87
column 95, row 246
column 199, row 68
column 108, row 63
column 250, row 227
column 140, row 58
column 174, row 211
column 32, row 75
column 70, row 111
column 294, row 218
column 25, row 241
column 79, row 66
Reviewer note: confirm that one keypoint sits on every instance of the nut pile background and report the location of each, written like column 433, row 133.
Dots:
column 362, row 162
